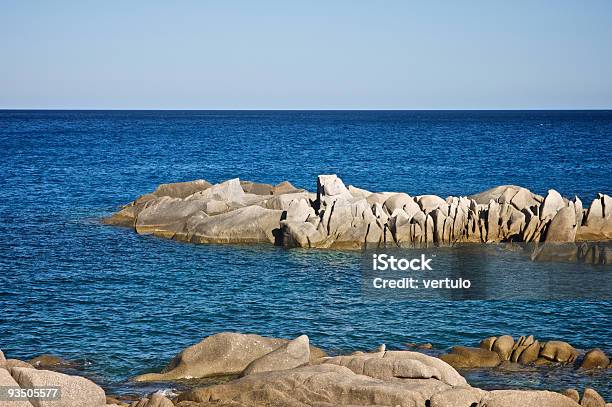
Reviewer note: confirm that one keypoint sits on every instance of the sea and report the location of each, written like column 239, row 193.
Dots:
column 120, row 304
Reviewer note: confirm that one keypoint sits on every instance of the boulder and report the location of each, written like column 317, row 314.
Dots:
column 285, row 187
column 46, row 361
column 75, row 391
column 319, row 385
column 530, row 354
column 224, row 353
column 525, row 398
column 572, row 394
column 292, row 354
column 358, row 192
column 256, row 188
column 457, row 397
column 495, row 194
column 462, row 357
column 552, row 204
column 597, row 224
column 487, row 343
column 404, row 364
column 594, row 359
column 559, row 351
column 251, row 224
column 590, row 398
column 7, row 380
column 181, row 189
column 562, row 228
column 428, row 203
column 165, row 217
column 379, row 366
column 11, row 363
column 503, row 347
column 331, row 186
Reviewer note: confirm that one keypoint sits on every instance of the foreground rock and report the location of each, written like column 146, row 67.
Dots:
column 335, row 216
column 400, row 365
column 327, row 384
column 75, row 391
column 230, row 353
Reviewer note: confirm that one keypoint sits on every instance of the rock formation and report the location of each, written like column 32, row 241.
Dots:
column 494, row 351
column 335, row 216
column 292, row 373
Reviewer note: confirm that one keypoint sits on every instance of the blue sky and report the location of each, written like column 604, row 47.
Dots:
column 306, row 55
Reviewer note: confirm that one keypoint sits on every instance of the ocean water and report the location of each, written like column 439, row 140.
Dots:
column 123, row 304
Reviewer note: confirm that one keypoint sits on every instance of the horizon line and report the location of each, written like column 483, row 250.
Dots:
column 308, row 109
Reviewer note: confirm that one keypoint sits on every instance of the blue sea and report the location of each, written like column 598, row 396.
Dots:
column 124, row 304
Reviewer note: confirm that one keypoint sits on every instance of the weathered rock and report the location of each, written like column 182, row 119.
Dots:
column 113, row 401
column 462, row 357
column 503, row 347
column 292, row 354
column 256, row 188
column 301, row 234
column 75, row 391
column 595, row 358
column 428, row 203
column 46, row 361
column 7, row 380
column 224, row 353
column 572, row 394
column 326, row 384
column 552, row 204
column 447, row 373
column 520, row 398
column 400, row 365
column 559, row 351
column 358, row 192
column 285, row 187
column 530, row 354
column 487, row 343
column 156, row 400
column 353, row 218
column 562, row 228
column 590, row 398
column 11, row 363
column 331, row 186
column 251, row 224
column 165, row 217
column 457, row 397
column 181, row 189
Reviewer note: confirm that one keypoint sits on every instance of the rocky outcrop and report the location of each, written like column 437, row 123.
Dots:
column 320, row 385
column 400, row 365
column 292, row 354
column 295, row 374
column 76, row 391
column 462, row 357
column 526, row 350
column 230, row 353
column 595, row 359
column 516, row 398
column 7, row 380
column 335, row 216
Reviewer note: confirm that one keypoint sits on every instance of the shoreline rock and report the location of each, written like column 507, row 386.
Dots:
column 343, row 217
column 281, row 372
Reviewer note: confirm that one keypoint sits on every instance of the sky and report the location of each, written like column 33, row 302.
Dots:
column 306, row 54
